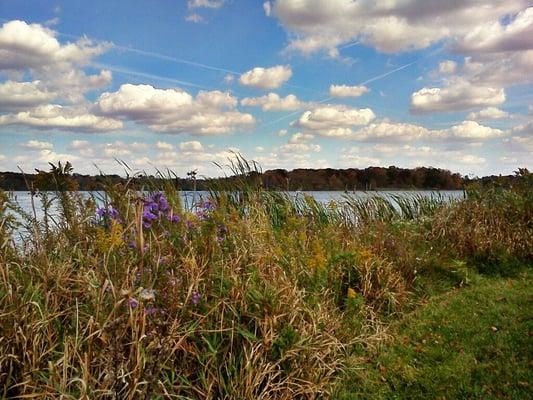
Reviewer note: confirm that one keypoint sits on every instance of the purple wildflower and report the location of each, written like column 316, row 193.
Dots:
column 196, row 298
column 107, row 213
column 133, row 303
column 174, row 218
column 150, row 310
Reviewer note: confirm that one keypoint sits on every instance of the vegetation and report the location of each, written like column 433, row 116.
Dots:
column 252, row 294
column 372, row 178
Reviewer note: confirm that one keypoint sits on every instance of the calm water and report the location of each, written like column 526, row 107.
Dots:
column 190, row 198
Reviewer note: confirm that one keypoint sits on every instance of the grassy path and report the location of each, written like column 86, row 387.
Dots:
column 474, row 342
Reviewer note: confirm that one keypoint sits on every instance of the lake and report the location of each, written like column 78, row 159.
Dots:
column 190, row 198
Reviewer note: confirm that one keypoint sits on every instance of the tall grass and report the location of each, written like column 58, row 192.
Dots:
column 250, row 294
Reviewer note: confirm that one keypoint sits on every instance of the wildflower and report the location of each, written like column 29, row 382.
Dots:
column 133, row 303
column 196, row 298
column 150, row 310
column 351, row 293
column 147, row 294
column 174, row 218
column 108, row 213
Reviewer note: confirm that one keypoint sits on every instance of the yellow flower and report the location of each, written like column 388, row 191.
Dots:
column 351, row 293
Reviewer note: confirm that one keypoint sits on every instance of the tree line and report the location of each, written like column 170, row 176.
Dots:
column 62, row 177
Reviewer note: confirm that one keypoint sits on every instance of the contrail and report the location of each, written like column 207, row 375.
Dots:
column 127, row 71
column 373, row 79
column 174, row 59
column 160, row 56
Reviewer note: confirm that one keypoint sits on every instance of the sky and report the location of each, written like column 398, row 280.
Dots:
column 185, row 85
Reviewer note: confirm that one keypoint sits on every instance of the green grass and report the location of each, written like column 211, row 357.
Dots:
column 472, row 342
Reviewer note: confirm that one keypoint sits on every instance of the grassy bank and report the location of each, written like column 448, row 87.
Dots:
column 252, row 296
column 468, row 343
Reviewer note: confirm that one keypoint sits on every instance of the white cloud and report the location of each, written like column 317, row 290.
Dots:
column 498, row 36
column 447, row 67
column 301, row 138
column 17, row 95
column 164, row 146
column 333, row 120
column 54, row 116
column 174, row 110
column 387, row 26
column 266, row 78
column 488, row 113
column 34, row 46
column 469, row 130
column 352, row 158
column 38, row 145
column 205, row 3
column 385, row 130
column 273, row 102
column 194, row 18
column 192, row 146
column 292, row 148
column 347, row 91
column 268, row 8
column 458, row 95
column 120, row 149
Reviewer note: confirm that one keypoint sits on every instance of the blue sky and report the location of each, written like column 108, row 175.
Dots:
column 289, row 83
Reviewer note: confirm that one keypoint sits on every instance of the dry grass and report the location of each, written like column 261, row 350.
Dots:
column 247, row 297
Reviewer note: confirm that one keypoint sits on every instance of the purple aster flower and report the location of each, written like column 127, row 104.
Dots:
column 196, row 298
column 149, row 216
column 133, row 303
column 174, row 218
column 150, row 310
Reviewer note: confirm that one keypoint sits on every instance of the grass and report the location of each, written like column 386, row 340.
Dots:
column 468, row 343
column 251, row 294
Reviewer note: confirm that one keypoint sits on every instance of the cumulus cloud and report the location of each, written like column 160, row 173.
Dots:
column 458, row 95
column 20, row 95
column 347, row 91
column 174, row 110
column 54, row 116
column 333, row 120
column 500, row 36
column 469, row 130
column 291, row 148
column 488, row 113
column 192, row 146
column 37, row 145
column 24, row 45
column 385, row 130
column 273, row 102
column 164, row 146
column 266, row 78
column 389, row 27
column 300, row 137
